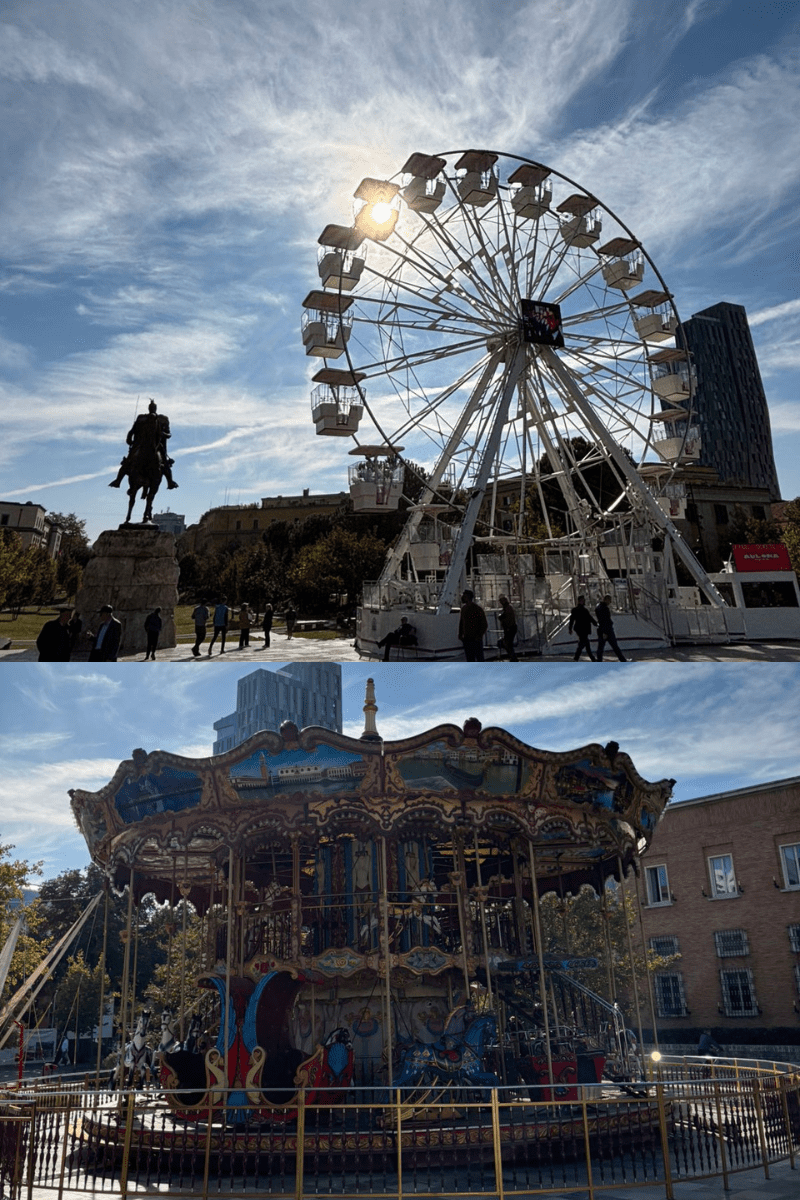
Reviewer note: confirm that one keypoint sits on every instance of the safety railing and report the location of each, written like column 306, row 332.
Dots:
column 690, row 1120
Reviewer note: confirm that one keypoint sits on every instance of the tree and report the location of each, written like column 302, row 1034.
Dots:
column 15, row 876
column 76, row 1004
column 339, row 562
column 74, row 551
column 577, row 924
column 791, row 533
column 746, row 530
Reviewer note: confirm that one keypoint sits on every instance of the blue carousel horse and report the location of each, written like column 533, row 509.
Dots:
column 456, row 1059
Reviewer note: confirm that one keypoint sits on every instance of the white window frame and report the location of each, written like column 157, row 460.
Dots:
column 797, row 977
column 793, row 846
column 663, row 890
column 720, row 946
column 731, row 889
column 676, row 986
column 794, row 937
column 726, row 981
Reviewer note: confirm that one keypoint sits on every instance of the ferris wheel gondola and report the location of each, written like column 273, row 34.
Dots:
column 510, row 331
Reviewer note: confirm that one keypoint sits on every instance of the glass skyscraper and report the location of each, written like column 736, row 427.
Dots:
column 731, row 406
column 306, row 693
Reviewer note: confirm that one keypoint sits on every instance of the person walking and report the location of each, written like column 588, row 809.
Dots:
column 221, row 617
column 290, row 616
column 472, row 627
column 245, row 621
column 54, row 642
column 200, row 618
column 605, row 630
column 581, row 621
column 508, row 624
column 152, row 626
column 266, row 625
column 63, row 1056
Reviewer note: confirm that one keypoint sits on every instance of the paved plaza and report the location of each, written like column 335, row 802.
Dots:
column 340, row 649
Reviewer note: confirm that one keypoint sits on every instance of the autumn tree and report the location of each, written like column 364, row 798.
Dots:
column 15, row 876
column 791, row 533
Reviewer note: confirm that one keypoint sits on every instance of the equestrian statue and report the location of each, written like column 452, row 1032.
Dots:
column 147, row 461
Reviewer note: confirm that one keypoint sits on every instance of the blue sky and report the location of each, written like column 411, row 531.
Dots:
column 709, row 726
column 167, row 166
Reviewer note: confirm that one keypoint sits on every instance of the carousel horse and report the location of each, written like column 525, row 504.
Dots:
column 456, row 1059
column 135, row 1066
column 169, row 1025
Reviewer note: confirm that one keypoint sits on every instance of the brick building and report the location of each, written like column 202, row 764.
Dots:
column 720, row 885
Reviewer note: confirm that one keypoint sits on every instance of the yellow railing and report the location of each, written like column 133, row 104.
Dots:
column 690, row 1120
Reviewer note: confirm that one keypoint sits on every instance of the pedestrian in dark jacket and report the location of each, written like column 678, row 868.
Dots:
column 605, row 630
column 581, row 620
column 266, row 625
column 54, row 642
column 508, row 624
column 472, row 627
column 152, row 627
column 105, row 643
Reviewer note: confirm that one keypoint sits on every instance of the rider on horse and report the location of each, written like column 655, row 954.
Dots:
column 150, row 429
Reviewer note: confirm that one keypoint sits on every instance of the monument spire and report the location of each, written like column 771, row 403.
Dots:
column 370, row 733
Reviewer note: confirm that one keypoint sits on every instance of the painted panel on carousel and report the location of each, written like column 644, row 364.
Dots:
column 441, row 767
column 324, row 769
column 168, row 790
column 585, row 783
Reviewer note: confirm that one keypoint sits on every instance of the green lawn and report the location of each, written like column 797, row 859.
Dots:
column 25, row 629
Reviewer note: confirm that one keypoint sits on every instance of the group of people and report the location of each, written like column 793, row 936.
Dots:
column 221, row 617
column 581, row 622
column 473, row 626
column 58, row 639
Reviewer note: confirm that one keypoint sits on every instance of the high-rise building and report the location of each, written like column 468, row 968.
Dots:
column 731, row 406
column 306, row 693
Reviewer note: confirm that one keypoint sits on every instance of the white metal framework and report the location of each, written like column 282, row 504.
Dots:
column 513, row 335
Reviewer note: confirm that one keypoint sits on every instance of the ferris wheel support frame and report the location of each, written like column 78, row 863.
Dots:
column 467, row 528
column 645, row 496
column 428, row 496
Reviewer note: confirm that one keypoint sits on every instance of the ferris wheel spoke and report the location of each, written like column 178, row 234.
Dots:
column 462, row 260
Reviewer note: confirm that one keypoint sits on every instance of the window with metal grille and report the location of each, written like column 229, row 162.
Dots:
column 794, row 937
column 790, row 859
column 665, row 945
column 738, row 993
column 670, row 995
column 720, row 871
column 657, row 885
column 731, row 942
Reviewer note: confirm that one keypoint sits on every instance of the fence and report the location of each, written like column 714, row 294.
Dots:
column 689, row 1121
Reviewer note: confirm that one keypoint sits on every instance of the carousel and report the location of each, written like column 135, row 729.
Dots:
column 369, row 920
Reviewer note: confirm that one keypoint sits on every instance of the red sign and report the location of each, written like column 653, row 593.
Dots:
column 761, row 558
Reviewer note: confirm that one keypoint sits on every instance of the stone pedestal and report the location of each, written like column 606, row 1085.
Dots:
column 134, row 570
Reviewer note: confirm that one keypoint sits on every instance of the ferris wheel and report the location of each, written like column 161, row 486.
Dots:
column 499, row 343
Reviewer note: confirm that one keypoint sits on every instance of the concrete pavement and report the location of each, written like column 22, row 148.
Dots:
column 340, row 649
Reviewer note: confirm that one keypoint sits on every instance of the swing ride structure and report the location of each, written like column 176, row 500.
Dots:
column 374, row 1002
column 510, row 365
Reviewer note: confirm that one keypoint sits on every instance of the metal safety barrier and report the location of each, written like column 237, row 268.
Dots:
column 689, row 1120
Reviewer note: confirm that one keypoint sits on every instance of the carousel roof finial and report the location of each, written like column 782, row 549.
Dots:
column 370, row 733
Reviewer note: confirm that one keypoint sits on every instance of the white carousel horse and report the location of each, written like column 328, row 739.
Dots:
column 169, row 1026
column 135, row 1067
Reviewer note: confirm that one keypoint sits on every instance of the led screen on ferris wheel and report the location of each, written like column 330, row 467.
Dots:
column 541, row 323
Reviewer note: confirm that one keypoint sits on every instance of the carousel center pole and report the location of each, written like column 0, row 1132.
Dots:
column 634, row 984
column 537, row 927
column 100, row 1016
column 386, row 960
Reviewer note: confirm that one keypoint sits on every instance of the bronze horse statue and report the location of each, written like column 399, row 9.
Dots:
column 147, row 461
